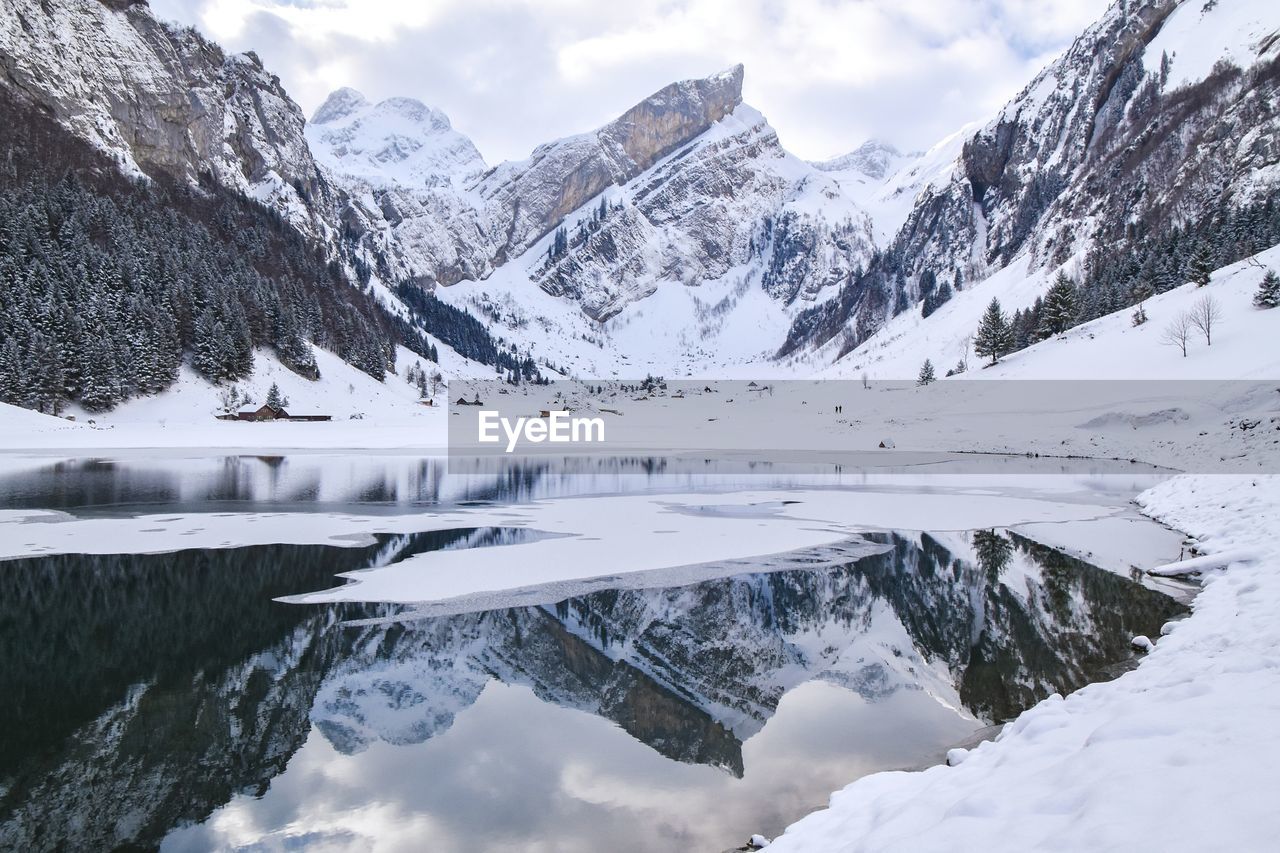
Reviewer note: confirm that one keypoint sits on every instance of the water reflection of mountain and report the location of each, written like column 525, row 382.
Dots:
column 143, row 692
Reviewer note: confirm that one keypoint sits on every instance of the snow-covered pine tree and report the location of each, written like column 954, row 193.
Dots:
column 1201, row 265
column 926, row 373
column 1061, row 307
column 211, row 345
column 935, row 299
column 1268, row 295
column 994, row 337
column 100, row 375
column 275, row 399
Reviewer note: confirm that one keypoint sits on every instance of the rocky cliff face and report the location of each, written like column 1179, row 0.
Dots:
column 525, row 200
column 157, row 99
column 732, row 198
column 1042, row 143
column 1158, row 115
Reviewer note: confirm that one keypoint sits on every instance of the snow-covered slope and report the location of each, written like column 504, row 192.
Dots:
column 1113, row 347
column 366, row 413
column 1157, row 118
column 1110, row 347
column 397, row 142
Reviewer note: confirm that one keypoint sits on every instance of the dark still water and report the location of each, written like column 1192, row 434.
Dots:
column 168, row 701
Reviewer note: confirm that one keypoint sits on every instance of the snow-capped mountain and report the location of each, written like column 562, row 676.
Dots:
column 680, row 189
column 404, row 170
column 397, row 142
column 1160, row 116
column 733, row 197
column 681, row 237
column 874, row 158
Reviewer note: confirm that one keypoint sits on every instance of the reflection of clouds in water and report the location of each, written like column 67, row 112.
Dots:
column 686, row 673
column 537, row 775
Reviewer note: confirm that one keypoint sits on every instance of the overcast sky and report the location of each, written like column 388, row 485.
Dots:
column 828, row 74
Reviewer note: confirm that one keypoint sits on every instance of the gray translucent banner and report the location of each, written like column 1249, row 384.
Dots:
column 953, row 426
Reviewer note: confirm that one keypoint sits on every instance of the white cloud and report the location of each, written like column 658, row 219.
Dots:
column 514, row 73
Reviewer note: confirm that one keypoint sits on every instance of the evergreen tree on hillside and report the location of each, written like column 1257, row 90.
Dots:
column 100, row 376
column 1060, row 307
column 995, row 336
column 1201, row 265
column 928, row 283
column 275, row 399
column 926, row 373
column 1268, row 295
column 936, row 299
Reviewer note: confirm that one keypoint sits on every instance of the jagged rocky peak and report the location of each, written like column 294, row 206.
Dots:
column 529, row 198
column 396, row 142
column 673, row 115
column 873, row 158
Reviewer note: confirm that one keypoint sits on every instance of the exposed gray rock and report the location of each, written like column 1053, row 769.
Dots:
column 159, row 99
column 526, row 200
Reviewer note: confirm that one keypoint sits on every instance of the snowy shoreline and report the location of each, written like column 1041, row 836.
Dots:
column 1192, row 724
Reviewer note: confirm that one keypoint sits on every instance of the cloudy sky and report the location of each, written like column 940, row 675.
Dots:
column 828, row 74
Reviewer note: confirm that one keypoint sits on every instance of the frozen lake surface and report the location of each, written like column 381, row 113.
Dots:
column 531, row 658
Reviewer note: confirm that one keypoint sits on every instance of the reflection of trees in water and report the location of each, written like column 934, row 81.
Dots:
column 993, row 552
column 234, row 681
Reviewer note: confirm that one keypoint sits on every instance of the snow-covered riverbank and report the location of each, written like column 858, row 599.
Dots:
column 1175, row 755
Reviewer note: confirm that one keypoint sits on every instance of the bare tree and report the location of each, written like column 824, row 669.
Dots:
column 1178, row 333
column 1205, row 315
